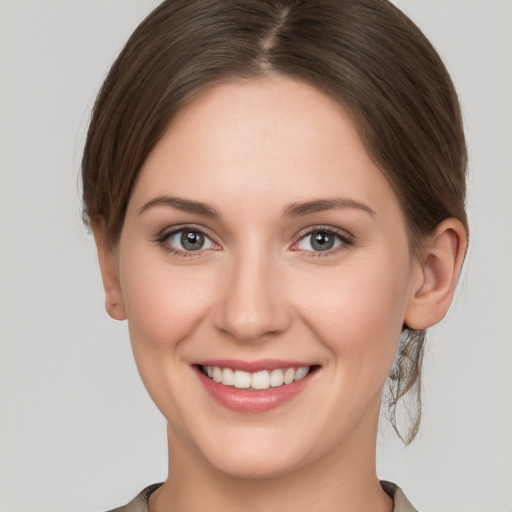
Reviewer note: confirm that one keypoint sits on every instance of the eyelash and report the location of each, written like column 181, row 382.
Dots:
column 162, row 240
column 345, row 239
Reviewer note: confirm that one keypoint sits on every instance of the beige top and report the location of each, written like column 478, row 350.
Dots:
column 140, row 502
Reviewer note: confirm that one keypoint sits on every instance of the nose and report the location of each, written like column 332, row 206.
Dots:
column 252, row 304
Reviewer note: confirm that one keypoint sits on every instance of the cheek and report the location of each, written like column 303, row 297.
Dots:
column 164, row 306
column 357, row 310
column 163, row 303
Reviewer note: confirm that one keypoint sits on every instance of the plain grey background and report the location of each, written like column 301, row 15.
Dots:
column 77, row 431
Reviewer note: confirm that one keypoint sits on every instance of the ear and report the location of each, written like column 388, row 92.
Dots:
column 109, row 267
column 439, row 266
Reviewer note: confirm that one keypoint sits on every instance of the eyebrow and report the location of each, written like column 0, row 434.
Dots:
column 185, row 205
column 293, row 210
column 318, row 205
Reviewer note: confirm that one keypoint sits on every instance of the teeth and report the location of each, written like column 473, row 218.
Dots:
column 257, row 380
column 242, row 379
column 217, row 374
column 301, row 372
column 228, row 377
column 276, row 378
column 289, row 375
column 260, row 380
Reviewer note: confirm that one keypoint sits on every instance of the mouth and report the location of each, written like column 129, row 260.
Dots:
column 256, row 381
column 254, row 387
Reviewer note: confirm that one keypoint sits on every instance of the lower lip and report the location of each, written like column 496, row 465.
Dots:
column 252, row 401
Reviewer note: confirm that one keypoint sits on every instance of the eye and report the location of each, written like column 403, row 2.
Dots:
column 187, row 240
column 321, row 240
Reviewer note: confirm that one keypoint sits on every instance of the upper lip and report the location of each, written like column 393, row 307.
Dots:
column 253, row 366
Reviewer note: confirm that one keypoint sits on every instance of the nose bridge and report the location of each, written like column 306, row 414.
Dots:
column 252, row 303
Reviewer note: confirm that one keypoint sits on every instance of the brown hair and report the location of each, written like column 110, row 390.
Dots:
column 364, row 53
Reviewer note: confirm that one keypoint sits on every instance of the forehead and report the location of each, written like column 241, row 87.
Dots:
column 267, row 139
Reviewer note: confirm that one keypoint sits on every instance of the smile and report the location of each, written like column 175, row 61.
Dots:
column 257, row 386
column 256, row 381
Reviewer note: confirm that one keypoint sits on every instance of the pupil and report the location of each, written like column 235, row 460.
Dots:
column 192, row 241
column 322, row 241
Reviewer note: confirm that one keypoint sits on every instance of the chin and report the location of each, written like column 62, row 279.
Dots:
column 256, row 467
column 265, row 458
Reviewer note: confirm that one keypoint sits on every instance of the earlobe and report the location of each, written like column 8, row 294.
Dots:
column 439, row 267
column 109, row 267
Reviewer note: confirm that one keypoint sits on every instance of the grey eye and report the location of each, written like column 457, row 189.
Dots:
column 192, row 240
column 321, row 241
column 189, row 240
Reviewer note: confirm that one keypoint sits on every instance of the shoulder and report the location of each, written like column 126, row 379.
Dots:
column 140, row 502
column 401, row 503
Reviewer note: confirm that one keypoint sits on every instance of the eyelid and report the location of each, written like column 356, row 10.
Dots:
column 343, row 233
column 164, row 234
column 347, row 239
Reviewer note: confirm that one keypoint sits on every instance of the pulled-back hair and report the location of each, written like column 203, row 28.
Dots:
column 366, row 54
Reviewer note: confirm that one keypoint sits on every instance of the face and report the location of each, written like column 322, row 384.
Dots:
column 262, row 246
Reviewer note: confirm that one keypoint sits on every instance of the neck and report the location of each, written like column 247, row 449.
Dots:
column 342, row 480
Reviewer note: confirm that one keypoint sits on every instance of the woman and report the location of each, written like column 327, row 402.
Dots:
column 276, row 190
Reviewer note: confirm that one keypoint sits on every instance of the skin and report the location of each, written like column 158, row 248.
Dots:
column 258, row 290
